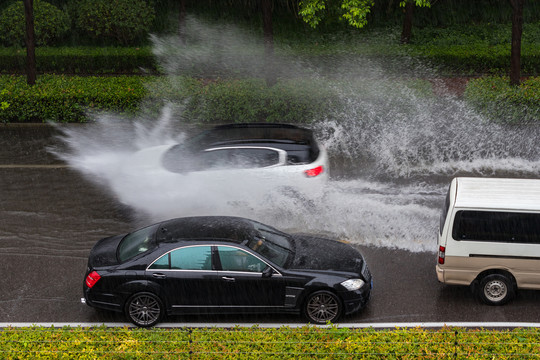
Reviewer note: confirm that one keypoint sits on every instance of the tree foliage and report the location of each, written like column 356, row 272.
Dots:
column 50, row 23
column 124, row 21
column 355, row 12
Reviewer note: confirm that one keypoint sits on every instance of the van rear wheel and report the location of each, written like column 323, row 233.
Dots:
column 496, row 289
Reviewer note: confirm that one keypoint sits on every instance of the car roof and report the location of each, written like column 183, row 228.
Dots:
column 235, row 229
column 497, row 193
column 254, row 133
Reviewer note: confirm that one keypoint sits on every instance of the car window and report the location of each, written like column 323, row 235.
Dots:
column 163, row 262
column 271, row 244
column 239, row 158
column 136, row 243
column 187, row 258
column 234, row 259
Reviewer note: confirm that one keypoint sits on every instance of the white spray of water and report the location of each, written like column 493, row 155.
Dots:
column 393, row 151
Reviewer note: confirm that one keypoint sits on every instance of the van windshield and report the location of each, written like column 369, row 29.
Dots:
column 444, row 212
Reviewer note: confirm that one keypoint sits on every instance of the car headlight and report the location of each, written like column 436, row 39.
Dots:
column 353, row 284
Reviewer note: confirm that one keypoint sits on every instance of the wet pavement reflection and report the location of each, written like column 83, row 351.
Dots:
column 50, row 217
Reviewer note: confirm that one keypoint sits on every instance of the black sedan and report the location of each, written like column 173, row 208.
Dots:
column 216, row 264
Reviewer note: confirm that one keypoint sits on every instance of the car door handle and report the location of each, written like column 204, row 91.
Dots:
column 229, row 279
column 159, row 275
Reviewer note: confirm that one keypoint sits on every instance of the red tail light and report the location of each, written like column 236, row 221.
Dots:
column 442, row 249
column 314, row 172
column 92, row 279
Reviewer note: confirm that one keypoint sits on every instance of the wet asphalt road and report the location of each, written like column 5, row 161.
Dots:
column 50, row 216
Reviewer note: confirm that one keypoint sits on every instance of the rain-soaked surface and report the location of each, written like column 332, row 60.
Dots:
column 393, row 148
column 50, row 216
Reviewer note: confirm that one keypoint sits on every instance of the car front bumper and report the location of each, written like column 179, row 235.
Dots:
column 354, row 301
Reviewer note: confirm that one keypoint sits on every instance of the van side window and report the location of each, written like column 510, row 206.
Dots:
column 510, row 227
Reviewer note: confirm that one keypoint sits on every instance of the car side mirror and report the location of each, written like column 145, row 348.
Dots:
column 267, row 272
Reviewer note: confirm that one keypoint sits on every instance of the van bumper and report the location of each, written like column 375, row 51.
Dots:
column 440, row 273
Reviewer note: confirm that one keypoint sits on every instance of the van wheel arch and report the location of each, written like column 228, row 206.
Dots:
column 495, row 287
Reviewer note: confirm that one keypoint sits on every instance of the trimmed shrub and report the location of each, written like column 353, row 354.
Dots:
column 122, row 21
column 496, row 99
column 67, row 99
column 251, row 100
column 476, row 49
column 258, row 342
column 50, row 24
column 81, row 60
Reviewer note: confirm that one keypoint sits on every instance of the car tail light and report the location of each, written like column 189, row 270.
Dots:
column 314, row 172
column 442, row 249
column 92, row 279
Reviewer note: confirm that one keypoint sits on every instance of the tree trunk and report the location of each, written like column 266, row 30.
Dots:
column 182, row 22
column 268, row 36
column 407, row 23
column 517, row 30
column 30, row 42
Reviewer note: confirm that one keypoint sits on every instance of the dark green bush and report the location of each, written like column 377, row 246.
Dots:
column 50, row 24
column 496, row 99
column 123, row 21
column 251, row 100
column 67, row 99
column 478, row 59
column 476, row 49
column 81, row 60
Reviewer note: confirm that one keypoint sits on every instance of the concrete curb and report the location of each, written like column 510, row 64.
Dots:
column 271, row 325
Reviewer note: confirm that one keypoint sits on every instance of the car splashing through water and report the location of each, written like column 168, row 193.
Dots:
column 393, row 148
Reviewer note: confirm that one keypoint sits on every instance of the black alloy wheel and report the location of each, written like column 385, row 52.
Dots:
column 144, row 309
column 322, row 307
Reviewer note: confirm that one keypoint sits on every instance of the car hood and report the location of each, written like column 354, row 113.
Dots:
column 315, row 253
column 104, row 252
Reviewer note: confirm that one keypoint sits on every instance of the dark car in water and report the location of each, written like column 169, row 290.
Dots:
column 220, row 264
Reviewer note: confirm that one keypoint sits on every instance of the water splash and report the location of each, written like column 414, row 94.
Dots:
column 394, row 148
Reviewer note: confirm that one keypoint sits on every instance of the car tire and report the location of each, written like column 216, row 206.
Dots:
column 144, row 309
column 322, row 307
column 496, row 289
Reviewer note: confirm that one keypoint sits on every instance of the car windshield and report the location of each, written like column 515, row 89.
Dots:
column 136, row 243
column 272, row 244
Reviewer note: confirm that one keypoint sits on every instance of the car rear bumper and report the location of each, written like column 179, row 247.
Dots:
column 104, row 302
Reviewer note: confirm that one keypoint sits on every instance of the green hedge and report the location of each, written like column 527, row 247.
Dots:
column 477, row 48
column 496, row 99
column 81, row 60
column 251, row 100
column 267, row 343
column 451, row 59
column 478, row 59
column 66, row 99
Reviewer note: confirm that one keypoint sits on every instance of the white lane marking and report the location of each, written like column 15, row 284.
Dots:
column 33, row 166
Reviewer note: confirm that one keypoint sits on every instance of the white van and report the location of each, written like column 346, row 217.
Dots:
column 490, row 237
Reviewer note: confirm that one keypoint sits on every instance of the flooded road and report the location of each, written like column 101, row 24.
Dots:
column 51, row 215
